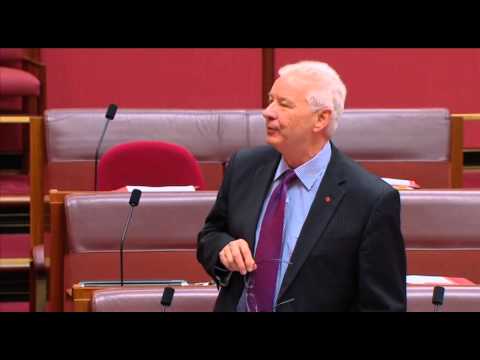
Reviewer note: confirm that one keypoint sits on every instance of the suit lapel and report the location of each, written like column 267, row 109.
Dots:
column 329, row 195
column 262, row 180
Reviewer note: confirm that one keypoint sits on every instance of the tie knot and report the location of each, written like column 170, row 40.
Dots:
column 288, row 177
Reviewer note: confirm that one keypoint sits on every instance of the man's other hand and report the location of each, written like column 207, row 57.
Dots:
column 236, row 256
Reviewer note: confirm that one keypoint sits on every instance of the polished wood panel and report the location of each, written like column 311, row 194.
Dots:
column 14, row 119
column 456, row 151
column 439, row 262
column 268, row 73
column 37, row 177
column 79, row 175
column 426, row 174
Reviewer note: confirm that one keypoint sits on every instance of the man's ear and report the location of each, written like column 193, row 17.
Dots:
column 323, row 120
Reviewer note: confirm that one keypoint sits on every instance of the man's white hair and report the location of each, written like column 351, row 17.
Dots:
column 331, row 91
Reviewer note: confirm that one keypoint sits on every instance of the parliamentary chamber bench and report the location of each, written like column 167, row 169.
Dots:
column 202, row 299
column 418, row 144
column 440, row 229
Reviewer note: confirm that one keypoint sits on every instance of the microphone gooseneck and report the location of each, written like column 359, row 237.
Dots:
column 133, row 202
column 111, row 111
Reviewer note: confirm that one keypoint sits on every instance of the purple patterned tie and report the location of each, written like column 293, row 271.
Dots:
column 270, row 245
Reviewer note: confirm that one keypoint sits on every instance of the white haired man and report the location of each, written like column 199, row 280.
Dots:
column 297, row 225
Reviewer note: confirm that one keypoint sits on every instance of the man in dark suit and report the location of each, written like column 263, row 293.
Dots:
column 297, row 225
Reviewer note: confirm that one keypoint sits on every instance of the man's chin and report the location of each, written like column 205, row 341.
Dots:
column 273, row 141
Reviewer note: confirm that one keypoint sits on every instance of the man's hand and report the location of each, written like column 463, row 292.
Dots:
column 236, row 256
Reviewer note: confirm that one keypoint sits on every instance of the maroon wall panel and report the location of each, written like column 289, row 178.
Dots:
column 402, row 77
column 155, row 78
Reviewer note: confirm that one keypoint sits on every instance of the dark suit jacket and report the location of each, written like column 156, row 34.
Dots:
column 350, row 255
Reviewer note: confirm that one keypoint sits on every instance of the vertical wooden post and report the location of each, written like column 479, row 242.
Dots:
column 37, row 162
column 456, row 151
column 268, row 73
column 57, row 251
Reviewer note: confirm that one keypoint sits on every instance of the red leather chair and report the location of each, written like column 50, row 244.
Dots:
column 22, row 91
column 148, row 163
column 22, row 78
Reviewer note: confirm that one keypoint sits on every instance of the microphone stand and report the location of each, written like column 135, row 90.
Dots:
column 98, row 151
column 122, row 243
column 111, row 111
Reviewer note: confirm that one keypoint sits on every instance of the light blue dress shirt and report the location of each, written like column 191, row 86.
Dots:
column 300, row 196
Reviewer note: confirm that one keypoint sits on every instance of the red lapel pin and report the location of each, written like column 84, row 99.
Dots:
column 328, row 199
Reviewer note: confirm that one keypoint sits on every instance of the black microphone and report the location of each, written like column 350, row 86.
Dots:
column 134, row 200
column 135, row 197
column 111, row 111
column 437, row 298
column 167, row 297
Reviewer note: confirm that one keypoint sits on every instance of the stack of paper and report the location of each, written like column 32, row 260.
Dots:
column 187, row 188
column 400, row 184
column 436, row 280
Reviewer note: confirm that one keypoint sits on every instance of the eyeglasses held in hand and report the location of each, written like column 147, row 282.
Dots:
column 252, row 305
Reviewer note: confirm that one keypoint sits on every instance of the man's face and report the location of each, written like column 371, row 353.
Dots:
column 289, row 118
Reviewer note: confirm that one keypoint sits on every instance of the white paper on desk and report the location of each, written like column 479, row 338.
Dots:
column 187, row 188
column 401, row 182
column 396, row 181
column 421, row 279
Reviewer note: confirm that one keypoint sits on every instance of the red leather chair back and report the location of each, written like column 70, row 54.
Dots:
column 148, row 163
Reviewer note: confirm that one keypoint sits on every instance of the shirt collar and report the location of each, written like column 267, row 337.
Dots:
column 310, row 171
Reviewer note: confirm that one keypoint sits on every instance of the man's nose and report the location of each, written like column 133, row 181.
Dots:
column 268, row 113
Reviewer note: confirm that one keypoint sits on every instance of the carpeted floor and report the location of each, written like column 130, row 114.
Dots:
column 471, row 134
column 14, row 306
column 14, row 185
column 471, row 179
column 14, row 245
